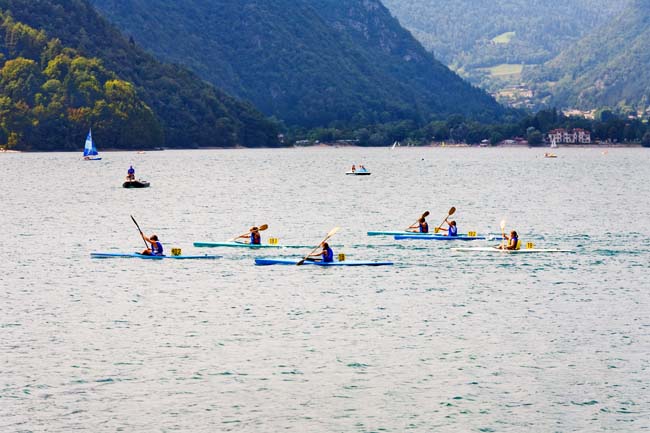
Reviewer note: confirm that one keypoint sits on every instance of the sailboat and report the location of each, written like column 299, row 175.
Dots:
column 396, row 144
column 90, row 151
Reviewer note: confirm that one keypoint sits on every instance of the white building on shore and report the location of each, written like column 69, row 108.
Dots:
column 571, row 136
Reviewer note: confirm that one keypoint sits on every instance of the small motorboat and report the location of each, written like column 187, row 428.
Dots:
column 550, row 155
column 135, row 184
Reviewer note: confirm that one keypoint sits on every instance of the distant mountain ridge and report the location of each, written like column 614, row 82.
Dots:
column 462, row 32
column 190, row 112
column 309, row 63
column 609, row 67
column 491, row 43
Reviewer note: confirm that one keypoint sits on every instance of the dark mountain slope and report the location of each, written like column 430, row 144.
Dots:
column 310, row 63
column 192, row 113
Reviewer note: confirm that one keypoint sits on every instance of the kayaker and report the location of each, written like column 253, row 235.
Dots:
column 422, row 226
column 326, row 255
column 451, row 230
column 254, row 237
column 156, row 247
column 130, row 174
column 513, row 240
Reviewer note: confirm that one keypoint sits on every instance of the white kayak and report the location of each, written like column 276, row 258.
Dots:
column 521, row 251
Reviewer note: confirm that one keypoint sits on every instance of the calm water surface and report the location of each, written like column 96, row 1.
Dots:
column 444, row 341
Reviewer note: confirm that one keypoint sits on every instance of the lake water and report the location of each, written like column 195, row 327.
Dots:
column 443, row 341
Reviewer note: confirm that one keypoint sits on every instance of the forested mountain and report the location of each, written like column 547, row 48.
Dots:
column 489, row 42
column 63, row 68
column 308, row 62
column 609, row 67
column 463, row 32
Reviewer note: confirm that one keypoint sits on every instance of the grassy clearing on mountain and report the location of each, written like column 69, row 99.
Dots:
column 504, row 38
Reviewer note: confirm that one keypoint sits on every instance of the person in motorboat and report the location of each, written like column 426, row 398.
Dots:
column 513, row 241
column 362, row 169
column 130, row 174
column 421, row 226
column 354, row 168
column 325, row 256
column 254, row 237
column 451, row 230
column 156, row 247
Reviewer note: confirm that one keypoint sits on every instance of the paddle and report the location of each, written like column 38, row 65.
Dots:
column 451, row 212
column 424, row 215
column 260, row 228
column 141, row 234
column 503, row 232
column 329, row 235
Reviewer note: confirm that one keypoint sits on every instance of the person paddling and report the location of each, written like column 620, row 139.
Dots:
column 451, row 230
column 156, row 248
column 326, row 255
column 254, row 237
column 513, row 240
column 422, row 226
column 130, row 174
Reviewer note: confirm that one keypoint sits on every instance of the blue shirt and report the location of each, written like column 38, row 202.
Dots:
column 453, row 231
column 256, row 239
column 424, row 227
column 156, row 249
column 328, row 257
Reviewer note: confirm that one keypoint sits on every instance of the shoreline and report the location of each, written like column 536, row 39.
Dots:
column 337, row 146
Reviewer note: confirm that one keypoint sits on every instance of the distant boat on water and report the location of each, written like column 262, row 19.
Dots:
column 90, row 151
column 396, row 144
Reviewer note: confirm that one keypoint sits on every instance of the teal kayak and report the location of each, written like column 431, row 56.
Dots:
column 269, row 262
column 143, row 256
column 440, row 238
column 521, row 251
column 243, row 245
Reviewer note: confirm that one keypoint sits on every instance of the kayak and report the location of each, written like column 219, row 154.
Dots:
column 440, row 238
column 143, row 256
column 135, row 184
column 521, row 251
column 294, row 262
column 358, row 173
column 398, row 233
column 405, row 233
column 243, row 245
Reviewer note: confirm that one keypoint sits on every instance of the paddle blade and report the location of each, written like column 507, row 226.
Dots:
column 503, row 225
column 333, row 232
column 426, row 214
column 263, row 227
column 452, row 211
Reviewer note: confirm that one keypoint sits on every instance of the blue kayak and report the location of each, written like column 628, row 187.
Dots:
column 440, row 238
column 143, row 256
column 294, row 262
column 405, row 233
